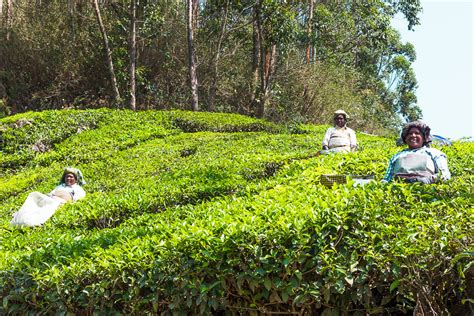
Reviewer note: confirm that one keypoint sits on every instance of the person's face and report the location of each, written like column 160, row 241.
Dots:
column 340, row 120
column 414, row 138
column 70, row 179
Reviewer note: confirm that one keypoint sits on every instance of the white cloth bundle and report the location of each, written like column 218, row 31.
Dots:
column 36, row 210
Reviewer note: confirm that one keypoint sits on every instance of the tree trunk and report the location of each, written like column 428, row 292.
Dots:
column 9, row 18
column 192, row 58
column 215, row 62
column 108, row 54
column 310, row 48
column 256, row 59
column 71, row 9
column 133, row 53
column 195, row 13
column 266, row 67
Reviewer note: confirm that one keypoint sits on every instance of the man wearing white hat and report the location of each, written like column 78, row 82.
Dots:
column 339, row 138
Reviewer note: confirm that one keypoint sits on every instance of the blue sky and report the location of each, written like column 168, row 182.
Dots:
column 444, row 65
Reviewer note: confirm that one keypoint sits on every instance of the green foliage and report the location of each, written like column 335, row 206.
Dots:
column 358, row 35
column 198, row 213
column 356, row 60
column 4, row 110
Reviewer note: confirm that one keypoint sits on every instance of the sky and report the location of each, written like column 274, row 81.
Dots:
column 444, row 65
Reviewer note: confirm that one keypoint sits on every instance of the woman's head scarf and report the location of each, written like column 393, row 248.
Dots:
column 340, row 112
column 77, row 174
column 424, row 129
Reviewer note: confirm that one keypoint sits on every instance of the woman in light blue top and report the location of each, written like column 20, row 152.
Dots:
column 419, row 162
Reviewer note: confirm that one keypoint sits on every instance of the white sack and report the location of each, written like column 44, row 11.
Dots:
column 36, row 210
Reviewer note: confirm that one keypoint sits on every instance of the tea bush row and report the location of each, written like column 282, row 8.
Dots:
column 296, row 246
column 199, row 213
column 26, row 136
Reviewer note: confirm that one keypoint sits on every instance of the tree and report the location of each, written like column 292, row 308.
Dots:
column 309, row 23
column 276, row 28
column 256, row 43
column 192, row 55
column 358, row 35
column 256, row 57
column 108, row 53
column 217, row 56
column 8, row 20
column 133, row 53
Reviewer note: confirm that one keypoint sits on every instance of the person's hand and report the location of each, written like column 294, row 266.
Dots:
column 424, row 180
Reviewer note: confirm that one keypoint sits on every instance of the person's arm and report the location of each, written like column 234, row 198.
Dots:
column 389, row 173
column 326, row 138
column 441, row 162
column 353, row 140
column 50, row 194
column 79, row 193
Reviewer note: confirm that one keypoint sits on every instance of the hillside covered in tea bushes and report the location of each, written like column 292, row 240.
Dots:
column 199, row 213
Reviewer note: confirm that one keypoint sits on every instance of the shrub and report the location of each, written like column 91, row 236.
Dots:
column 198, row 213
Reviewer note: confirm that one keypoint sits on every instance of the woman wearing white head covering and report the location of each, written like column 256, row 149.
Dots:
column 339, row 138
column 38, row 207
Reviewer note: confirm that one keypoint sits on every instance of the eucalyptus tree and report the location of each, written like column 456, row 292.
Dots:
column 309, row 47
column 7, row 17
column 262, row 29
column 2, row 15
column 217, row 16
column 399, row 78
column 193, row 81
column 275, row 29
column 266, row 58
column 162, row 51
column 133, row 53
column 108, row 53
column 224, row 40
column 358, row 34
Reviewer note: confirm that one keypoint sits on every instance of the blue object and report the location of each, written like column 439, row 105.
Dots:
column 441, row 140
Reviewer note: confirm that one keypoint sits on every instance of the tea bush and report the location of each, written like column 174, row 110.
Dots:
column 198, row 213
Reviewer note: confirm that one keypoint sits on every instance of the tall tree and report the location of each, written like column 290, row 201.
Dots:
column 256, row 63
column 217, row 55
column 133, row 53
column 192, row 56
column 266, row 62
column 108, row 53
column 9, row 13
column 358, row 35
column 256, row 43
column 275, row 32
column 309, row 23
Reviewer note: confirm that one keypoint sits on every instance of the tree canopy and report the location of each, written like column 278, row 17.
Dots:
column 283, row 60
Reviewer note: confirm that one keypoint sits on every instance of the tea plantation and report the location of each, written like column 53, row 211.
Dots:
column 198, row 213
